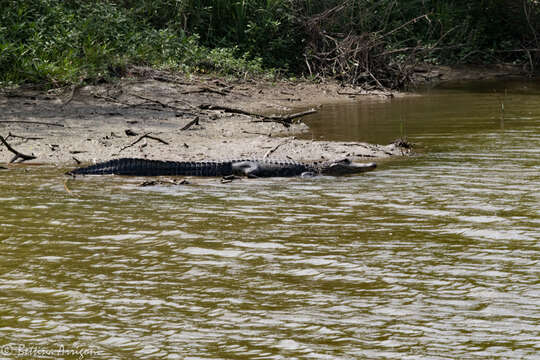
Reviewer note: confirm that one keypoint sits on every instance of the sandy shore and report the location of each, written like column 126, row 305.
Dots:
column 73, row 126
column 97, row 123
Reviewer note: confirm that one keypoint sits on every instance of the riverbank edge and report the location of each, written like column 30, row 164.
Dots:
column 159, row 115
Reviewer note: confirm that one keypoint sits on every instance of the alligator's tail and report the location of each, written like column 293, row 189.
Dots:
column 144, row 167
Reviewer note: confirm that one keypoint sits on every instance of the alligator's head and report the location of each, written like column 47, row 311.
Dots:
column 344, row 167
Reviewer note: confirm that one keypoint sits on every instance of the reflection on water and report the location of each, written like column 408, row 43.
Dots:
column 435, row 256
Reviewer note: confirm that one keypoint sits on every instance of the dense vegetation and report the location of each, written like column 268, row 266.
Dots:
column 55, row 42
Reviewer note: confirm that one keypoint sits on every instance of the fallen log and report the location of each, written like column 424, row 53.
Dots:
column 285, row 120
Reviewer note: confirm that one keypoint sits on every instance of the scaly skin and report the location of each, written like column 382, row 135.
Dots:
column 249, row 168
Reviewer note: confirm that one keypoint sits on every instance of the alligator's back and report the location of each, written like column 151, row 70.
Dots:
column 144, row 167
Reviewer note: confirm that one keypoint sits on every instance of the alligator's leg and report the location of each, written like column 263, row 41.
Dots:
column 245, row 168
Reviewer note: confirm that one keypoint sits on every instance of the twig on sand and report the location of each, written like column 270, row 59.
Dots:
column 18, row 155
column 228, row 110
column 144, row 105
column 223, row 92
column 191, row 123
column 111, row 99
column 26, row 138
column 257, row 133
column 165, row 105
column 145, row 136
column 271, row 151
column 31, row 122
column 155, row 101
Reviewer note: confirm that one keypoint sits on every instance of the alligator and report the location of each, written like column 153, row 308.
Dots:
column 249, row 168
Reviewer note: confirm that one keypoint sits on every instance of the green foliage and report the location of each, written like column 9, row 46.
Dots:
column 56, row 42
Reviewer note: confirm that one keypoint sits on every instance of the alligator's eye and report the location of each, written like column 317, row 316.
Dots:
column 345, row 161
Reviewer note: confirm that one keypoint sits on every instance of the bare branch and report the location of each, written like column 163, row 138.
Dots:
column 18, row 155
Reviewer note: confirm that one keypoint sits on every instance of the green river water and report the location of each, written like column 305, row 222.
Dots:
column 436, row 256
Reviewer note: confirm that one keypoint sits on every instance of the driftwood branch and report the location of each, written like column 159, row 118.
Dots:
column 18, row 155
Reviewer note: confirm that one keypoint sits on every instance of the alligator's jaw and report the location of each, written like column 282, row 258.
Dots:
column 345, row 168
